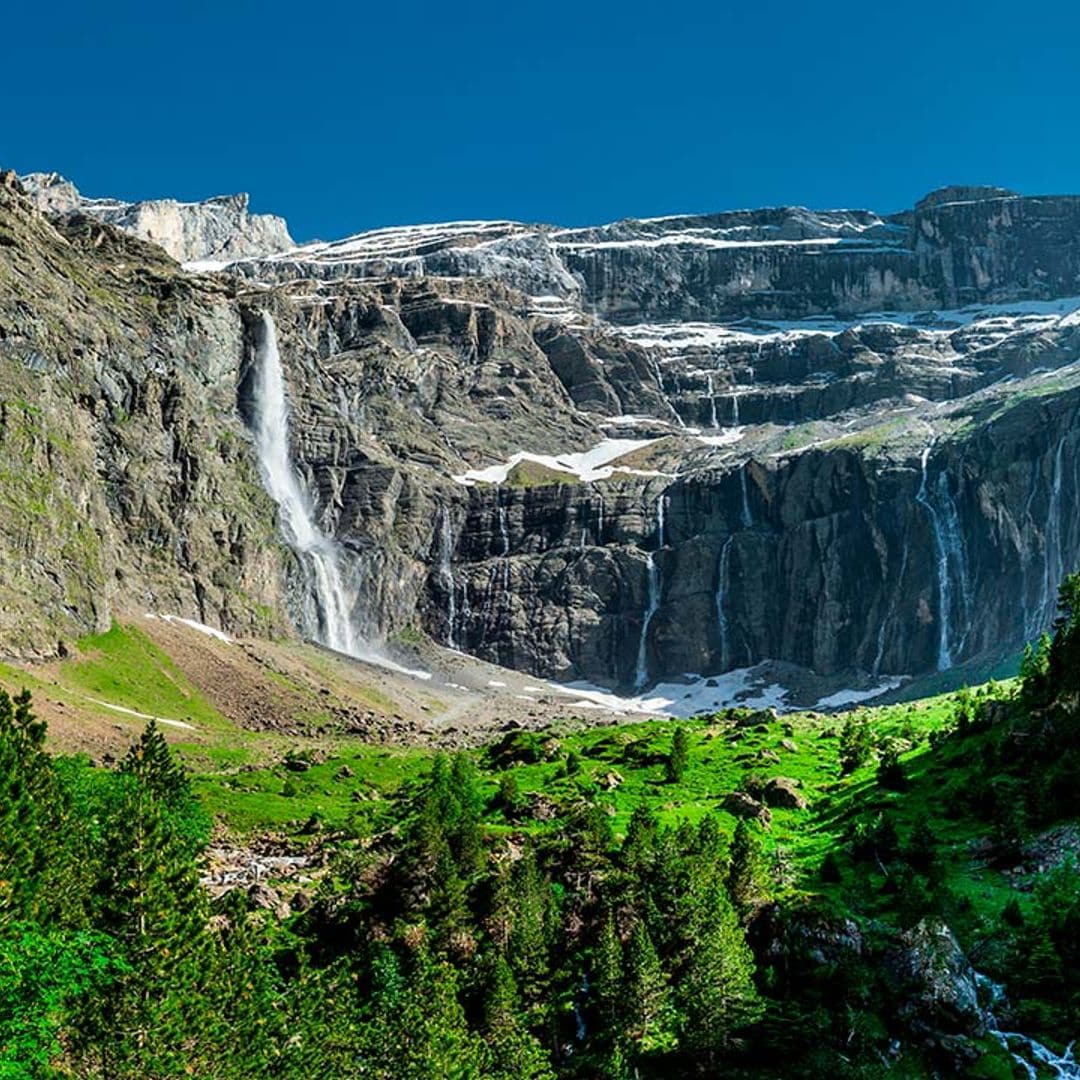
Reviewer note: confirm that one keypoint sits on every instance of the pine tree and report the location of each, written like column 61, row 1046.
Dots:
column 679, row 759
column 514, row 1054
column 607, row 977
column 716, row 991
column 744, row 868
column 646, row 995
column 152, row 903
column 531, row 933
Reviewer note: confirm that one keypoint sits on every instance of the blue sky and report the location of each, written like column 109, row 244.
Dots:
column 344, row 116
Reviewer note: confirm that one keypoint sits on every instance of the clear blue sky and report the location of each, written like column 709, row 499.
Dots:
column 344, row 116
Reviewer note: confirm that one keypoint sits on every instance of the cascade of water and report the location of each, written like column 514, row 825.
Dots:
column 735, row 409
column 1029, row 1054
column 922, row 497
column 1054, row 555
column 954, row 540
column 504, row 530
column 658, row 375
column 600, row 521
column 880, row 654
column 713, row 421
column 747, row 517
column 660, row 503
column 446, row 574
column 641, row 673
column 949, row 548
column 721, row 591
column 319, row 553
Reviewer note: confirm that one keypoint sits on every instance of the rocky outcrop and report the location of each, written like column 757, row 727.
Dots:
column 218, row 229
column 127, row 482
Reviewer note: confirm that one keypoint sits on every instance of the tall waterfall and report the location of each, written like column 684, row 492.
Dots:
column 641, row 673
column 949, row 548
column 1055, row 554
column 722, row 577
column 318, row 552
column 747, row 517
column 446, row 574
column 714, row 422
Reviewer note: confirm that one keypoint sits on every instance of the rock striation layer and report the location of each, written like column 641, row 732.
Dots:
column 837, row 439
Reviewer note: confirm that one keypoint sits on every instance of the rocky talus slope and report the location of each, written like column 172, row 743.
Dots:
column 837, row 439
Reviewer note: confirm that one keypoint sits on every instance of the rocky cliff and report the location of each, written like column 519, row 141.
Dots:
column 622, row 454
column 217, row 229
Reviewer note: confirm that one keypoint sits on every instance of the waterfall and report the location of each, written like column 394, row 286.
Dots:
column 657, row 374
column 735, row 409
column 600, row 521
column 1034, row 1058
column 318, row 552
column 713, row 421
column 1054, row 564
column 891, row 614
column 949, row 548
column 446, row 573
column 747, row 517
column 641, row 674
column 722, row 571
column 504, row 531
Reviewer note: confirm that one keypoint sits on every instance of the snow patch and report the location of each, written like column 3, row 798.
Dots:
column 585, row 467
column 191, row 624
column 853, row 697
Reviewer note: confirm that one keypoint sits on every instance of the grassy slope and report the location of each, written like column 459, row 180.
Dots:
column 246, row 781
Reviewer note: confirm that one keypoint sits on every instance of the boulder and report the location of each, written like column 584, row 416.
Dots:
column 783, row 792
column 744, row 805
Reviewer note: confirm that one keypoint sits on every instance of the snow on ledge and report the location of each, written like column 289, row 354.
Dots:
column 585, row 467
column 191, row 624
column 854, row 697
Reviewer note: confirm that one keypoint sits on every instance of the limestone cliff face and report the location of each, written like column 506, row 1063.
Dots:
column 635, row 451
column 217, row 229
column 127, row 479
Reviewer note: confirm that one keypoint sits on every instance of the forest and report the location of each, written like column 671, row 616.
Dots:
column 504, row 915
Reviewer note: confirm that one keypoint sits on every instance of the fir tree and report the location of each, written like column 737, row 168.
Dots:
column 744, row 868
column 717, row 991
column 646, row 995
column 679, row 759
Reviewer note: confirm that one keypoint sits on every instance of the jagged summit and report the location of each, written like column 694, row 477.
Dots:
column 218, row 228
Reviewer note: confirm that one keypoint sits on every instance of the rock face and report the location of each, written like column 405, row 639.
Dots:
column 218, row 229
column 127, row 482
column 621, row 454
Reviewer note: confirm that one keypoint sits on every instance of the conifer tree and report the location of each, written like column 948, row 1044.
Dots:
column 716, row 992
column 152, row 903
column 513, row 1053
column 744, row 868
column 646, row 995
column 679, row 758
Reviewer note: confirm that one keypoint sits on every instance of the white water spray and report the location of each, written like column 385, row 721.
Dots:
column 949, row 547
column 722, row 576
column 446, row 574
column 747, row 517
column 714, row 421
column 318, row 552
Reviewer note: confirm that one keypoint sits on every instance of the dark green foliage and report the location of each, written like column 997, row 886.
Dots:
column 744, row 870
column 679, row 759
column 856, row 743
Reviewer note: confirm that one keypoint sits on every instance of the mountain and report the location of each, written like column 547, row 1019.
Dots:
column 833, row 440
column 219, row 228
